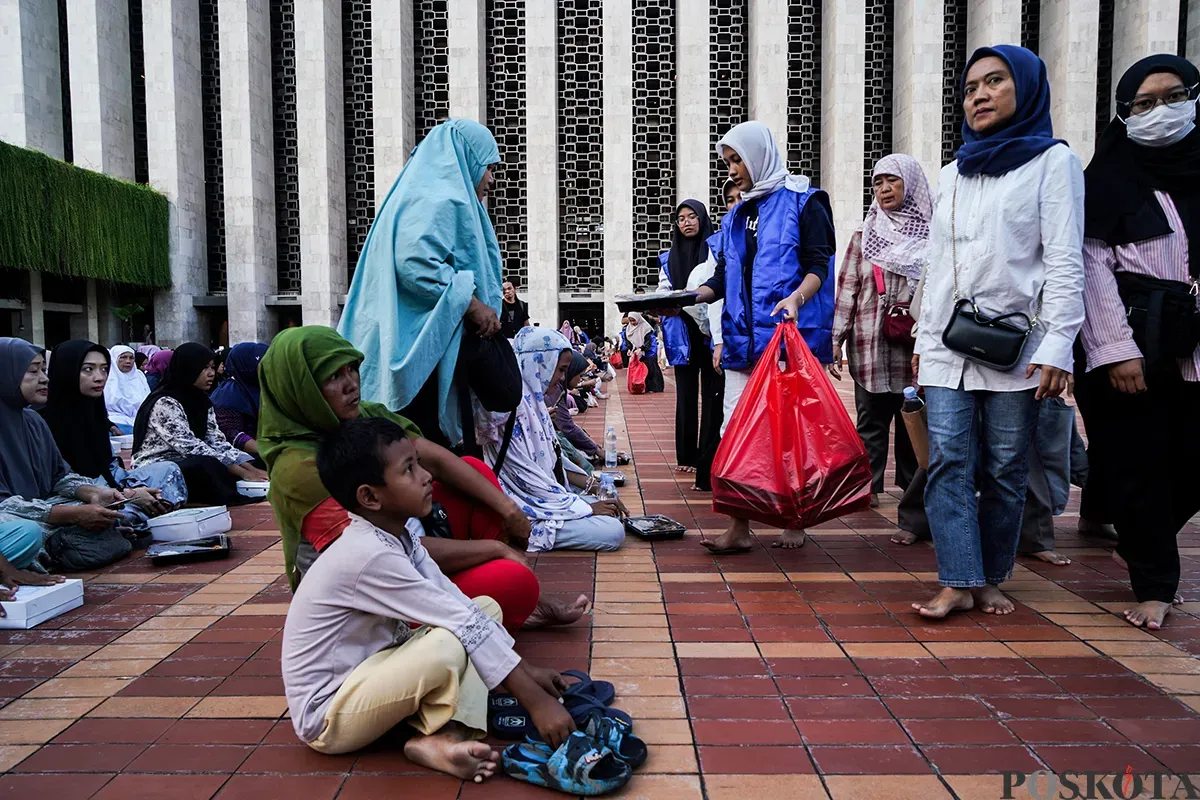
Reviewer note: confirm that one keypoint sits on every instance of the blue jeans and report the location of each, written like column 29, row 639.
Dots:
column 603, row 534
column 984, row 434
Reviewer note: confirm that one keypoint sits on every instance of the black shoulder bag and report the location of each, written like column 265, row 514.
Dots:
column 994, row 342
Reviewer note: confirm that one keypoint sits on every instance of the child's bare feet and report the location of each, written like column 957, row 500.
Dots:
column 946, row 601
column 1149, row 614
column 992, row 601
column 452, row 752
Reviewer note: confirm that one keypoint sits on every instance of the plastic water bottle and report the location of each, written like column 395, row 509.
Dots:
column 610, row 448
column 608, row 490
column 912, row 402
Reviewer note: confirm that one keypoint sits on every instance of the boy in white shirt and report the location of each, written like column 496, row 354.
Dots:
column 353, row 667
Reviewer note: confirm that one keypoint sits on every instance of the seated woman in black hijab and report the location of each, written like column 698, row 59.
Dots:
column 177, row 423
column 1139, row 389
column 79, row 421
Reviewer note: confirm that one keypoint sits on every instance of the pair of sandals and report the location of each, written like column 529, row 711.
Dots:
column 509, row 721
column 596, row 759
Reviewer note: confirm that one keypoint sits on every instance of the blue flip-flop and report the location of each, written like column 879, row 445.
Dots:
column 580, row 766
column 508, row 720
column 580, row 708
column 600, row 691
column 618, row 737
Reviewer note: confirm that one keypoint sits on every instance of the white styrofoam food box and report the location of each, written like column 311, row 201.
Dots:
column 34, row 605
column 190, row 523
column 253, row 488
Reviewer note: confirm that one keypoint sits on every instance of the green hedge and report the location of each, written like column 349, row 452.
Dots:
column 62, row 219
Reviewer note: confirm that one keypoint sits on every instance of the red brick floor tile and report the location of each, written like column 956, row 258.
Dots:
column 981, row 760
column 281, row 732
column 1178, row 759
column 270, row 686
column 223, row 731
column 222, row 651
column 388, row 758
column 1074, row 731
column 77, row 786
column 790, row 635
column 501, row 788
column 736, row 708
column 699, row 686
column 862, row 731
column 959, row 731
column 810, row 667
column 887, row 760
column 999, row 667
column 281, row 787
column 1109, row 685
column 195, row 667
column 900, row 666
column 150, row 686
column 754, row 760
column 191, row 758
column 722, row 666
column 1078, row 666
column 937, row 708
column 837, row 708
column 858, row 634
column 161, row 787
column 919, row 685
column 1023, row 685
column 748, row 733
column 840, row 686
column 711, row 635
column 1039, row 708
column 1160, row 707
column 81, row 758
column 1106, row 758
column 108, row 731
column 295, row 759
column 391, row 787
column 15, row 687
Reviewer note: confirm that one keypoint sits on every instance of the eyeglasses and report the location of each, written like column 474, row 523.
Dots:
column 1173, row 99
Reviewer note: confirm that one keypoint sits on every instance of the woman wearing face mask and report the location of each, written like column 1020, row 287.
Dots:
column 775, row 250
column 1140, row 388
column 882, row 266
column 1007, row 238
column 687, row 338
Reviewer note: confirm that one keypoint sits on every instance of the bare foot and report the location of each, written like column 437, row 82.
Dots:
column 946, row 601
column 1120, row 561
column 1149, row 614
column 735, row 540
column 1099, row 530
column 904, row 537
column 791, row 540
column 1051, row 557
column 450, row 751
column 992, row 601
column 553, row 611
column 874, row 500
column 1178, row 601
column 686, row 470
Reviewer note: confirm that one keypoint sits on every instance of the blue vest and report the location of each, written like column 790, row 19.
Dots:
column 746, row 323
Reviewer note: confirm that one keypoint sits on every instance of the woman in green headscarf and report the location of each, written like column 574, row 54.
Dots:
column 310, row 384
column 428, row 280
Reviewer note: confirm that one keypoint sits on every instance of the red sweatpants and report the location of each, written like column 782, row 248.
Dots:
column 511, row 585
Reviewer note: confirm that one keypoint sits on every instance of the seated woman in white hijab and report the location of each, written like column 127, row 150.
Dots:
column 126, row 389
column 534, row 474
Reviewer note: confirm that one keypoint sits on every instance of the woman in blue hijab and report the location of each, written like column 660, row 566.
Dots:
column 236, row 399
column 1006, row 240
column 429, row 275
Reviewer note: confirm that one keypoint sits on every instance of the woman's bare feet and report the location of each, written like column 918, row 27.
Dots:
column 453, row 752
column 946, row 601
column 1149, row 614
column 791, row 540
column 685, row 470
column 992, row 601
column 1051, row 557
column 904, row 537
column 735, row 540
column 553, row 611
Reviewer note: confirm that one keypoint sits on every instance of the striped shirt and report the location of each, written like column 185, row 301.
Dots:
column 1107, row 337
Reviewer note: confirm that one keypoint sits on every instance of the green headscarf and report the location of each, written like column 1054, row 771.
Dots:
column 294, row 415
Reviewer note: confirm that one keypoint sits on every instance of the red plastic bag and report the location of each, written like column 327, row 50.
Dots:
column 637, row 375
column 616, row 361
column 791, row 457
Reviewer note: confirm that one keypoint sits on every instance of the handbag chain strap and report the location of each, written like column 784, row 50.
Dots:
column 954, row 259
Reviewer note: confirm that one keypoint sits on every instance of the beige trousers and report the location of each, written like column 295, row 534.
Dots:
column 428, row 681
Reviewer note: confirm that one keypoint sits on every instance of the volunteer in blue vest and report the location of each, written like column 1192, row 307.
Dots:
column 777, row 248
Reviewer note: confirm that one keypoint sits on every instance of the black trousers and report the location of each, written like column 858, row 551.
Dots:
column 424, row 412
column 876, row 413
column 1144, row 457
column 697, row 386
column 654, row 377
column 210, row 483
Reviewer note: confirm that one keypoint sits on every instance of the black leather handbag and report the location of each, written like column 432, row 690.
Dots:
column 995, row 342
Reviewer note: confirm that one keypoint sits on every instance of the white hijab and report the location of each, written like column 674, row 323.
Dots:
column 768, row 169
column 637, row 332
column 125, row 391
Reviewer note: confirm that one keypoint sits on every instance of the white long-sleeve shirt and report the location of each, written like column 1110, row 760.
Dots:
column 358, row 598
column 1018, row 234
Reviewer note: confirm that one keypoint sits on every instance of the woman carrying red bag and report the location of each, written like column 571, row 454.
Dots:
column 777, row 248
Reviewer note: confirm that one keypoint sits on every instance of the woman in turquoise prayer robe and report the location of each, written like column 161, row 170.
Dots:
column 429, row 274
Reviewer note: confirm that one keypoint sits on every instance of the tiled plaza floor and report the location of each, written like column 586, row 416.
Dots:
column 789, row 674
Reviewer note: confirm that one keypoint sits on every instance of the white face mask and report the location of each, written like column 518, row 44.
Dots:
column 1161, row 126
